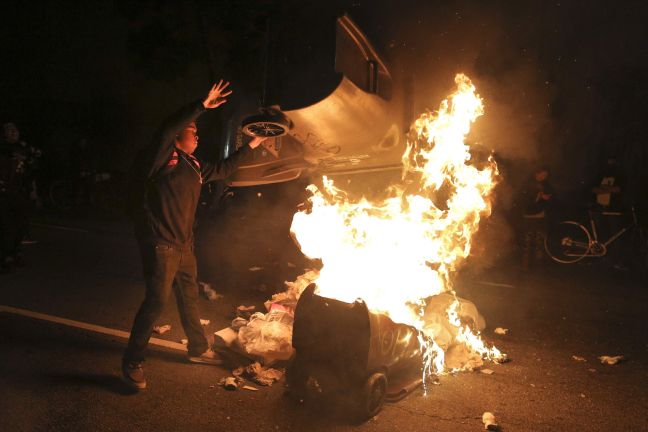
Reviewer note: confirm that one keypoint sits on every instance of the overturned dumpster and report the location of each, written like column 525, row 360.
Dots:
column 344, row 351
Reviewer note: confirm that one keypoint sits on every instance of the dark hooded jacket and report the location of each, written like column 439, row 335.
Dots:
column 166, row 183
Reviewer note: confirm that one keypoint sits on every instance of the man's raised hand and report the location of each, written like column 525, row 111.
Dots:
column 217, row 95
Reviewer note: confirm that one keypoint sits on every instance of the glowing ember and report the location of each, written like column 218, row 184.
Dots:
column 398, row 253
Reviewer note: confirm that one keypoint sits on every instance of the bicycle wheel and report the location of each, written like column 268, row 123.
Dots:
column 567, row 242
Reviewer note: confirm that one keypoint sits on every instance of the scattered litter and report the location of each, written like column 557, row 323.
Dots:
column 184, row 341
column 244, row 311
column 247, row 387
column 259, row 374
column 501, row 331
column 582, row 395
column 291, row 265
column 162, row 329
column 579, row 358
column 489, row 421
column 210, row 293
column 239, row 322
column 230, row 383
column 611, row 360
column 486, row 371
column 503, row 359
column 259, row 194
column 255, row 269
column 204, row 322
column 532, row 385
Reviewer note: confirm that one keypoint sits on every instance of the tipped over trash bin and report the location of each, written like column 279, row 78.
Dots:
column 342, row 350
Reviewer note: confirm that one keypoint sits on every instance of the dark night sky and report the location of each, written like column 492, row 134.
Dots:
column 564, row 81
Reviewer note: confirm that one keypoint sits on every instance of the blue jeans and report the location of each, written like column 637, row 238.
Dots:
column 167, row 267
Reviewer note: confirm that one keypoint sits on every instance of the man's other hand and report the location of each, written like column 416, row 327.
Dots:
column 256, row 142
column 217, row 95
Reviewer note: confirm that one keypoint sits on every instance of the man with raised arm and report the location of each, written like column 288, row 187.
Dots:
column 171, row 179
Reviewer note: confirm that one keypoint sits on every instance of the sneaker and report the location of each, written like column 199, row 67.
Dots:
column 134, row 374
column 208, row 357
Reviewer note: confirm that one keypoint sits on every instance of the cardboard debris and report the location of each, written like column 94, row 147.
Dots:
column 501, row 331
column 224, row 338
column 611, row 360
column 204, row 322
column 162, row 329
column 489, row 421
column 210, row 293
column 486, row 371
column 255, row 269
column 579, row 358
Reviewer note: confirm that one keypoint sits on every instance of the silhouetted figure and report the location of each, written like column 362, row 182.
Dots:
column 172, row 178
column 17, row 163
column 538, row 199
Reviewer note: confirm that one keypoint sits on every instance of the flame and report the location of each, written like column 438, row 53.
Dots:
column 399, row 252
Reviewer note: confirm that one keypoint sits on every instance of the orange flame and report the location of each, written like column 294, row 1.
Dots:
column 398, row 253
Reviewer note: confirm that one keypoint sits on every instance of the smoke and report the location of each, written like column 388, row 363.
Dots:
column 430, row 44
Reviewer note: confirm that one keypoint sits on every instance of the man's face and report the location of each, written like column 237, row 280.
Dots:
column 10, row 133
column 187, row 140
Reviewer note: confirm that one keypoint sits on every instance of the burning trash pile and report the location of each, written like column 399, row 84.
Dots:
column 398, row 255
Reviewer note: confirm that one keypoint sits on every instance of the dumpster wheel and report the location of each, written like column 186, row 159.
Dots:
column 372, row 395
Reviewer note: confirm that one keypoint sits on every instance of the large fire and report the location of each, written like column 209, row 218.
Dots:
column 398, row 253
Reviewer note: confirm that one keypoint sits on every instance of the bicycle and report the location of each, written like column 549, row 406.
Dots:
column 568, row 242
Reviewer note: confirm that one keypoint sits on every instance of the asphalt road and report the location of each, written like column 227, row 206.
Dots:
column 59, row 378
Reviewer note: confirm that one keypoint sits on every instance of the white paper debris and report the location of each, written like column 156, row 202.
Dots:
column 204, row 322
column 501, row 331
column 247, row 387
column 582, row 395
column 489, row 421
column 255, row 269
column 611, row 360
column 162, row 329
column 486, row 371
column 210, row 293
column 184, row 341
column 579, row 358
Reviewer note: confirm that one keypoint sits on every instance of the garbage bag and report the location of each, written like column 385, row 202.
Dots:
column 268, row 337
